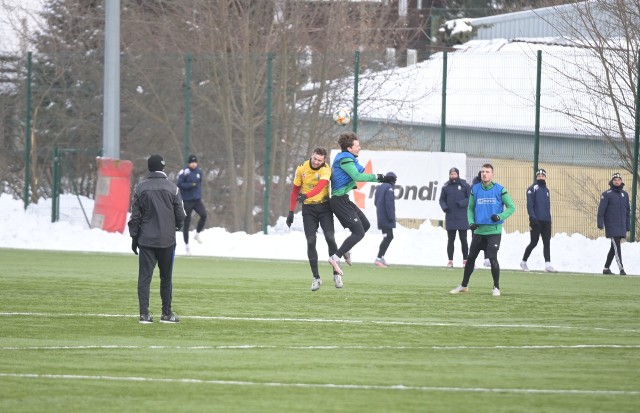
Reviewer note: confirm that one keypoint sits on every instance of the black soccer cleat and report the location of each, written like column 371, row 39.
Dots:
column 169, row 318
column 145, row 319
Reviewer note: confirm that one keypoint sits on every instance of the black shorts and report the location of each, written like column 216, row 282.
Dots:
column 490, row 244
column 346, row 211
column 314, row 215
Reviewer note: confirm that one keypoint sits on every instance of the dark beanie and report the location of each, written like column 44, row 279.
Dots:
column 391, row 176
column 616, row 175
column 454, row 169
column 155, row 163
column 541, row 172
column 192, row 158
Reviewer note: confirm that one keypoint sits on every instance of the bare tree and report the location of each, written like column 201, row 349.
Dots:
column 606, row 72
column 310, row 45
column 230, row 42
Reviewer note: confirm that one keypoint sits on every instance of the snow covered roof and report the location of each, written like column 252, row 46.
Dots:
column 491, row 84
column 554, row 21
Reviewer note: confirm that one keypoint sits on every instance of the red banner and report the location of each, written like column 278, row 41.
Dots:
column 113, row 193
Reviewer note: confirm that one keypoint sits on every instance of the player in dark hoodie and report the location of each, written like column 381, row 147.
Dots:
column 539, row 210
column 614, row 216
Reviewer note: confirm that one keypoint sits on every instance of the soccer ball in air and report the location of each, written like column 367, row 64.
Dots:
column 342, row 117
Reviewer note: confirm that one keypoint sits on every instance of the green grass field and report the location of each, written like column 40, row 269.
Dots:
column 253, row 338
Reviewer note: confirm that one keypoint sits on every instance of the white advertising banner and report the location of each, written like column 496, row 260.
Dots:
column 420, row 178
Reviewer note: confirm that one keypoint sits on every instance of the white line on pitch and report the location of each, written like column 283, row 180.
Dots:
column 258, row 347
column 323, row 320
column 327, row 385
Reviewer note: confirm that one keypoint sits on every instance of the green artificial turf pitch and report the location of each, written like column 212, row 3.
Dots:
column 254, row 338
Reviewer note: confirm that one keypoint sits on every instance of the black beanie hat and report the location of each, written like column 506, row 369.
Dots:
column 155, row 163
column 541, row 172
column 391, row 176
column 454, row 169
column 192, row 158
column 616, row 175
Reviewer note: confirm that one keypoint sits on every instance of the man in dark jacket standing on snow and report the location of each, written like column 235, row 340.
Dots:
column 385, row 201
column 454, row 200
column 539, row 210
column 190, row 184
column 614, row 216
column 156, row 214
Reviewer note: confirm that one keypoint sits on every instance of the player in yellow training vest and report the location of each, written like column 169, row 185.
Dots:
column 311, row 189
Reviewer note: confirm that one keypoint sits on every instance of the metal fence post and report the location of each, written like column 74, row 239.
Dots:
column 27, row 135
column 55, row 191
column 634, row 189
column 356, row 75
column 536, row 149
column 187, row 108
column 443, row 117
column 267, row 149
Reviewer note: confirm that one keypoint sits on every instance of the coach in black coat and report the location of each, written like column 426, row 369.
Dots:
column 614, row 216
column 454, row 199
column 156, row 214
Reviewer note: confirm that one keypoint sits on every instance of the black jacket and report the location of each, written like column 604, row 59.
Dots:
column 385, row 202
column 614, row 212
column 190, row 184
column 539, row 202
column 454, row 200
column 156, row 212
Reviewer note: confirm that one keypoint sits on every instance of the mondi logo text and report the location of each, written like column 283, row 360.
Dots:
column 412, row 192
column 408, row 192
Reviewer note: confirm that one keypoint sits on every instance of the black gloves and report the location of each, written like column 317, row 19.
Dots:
column 290, row 219
column 473, row 227
column 533, row 223
column 134, row 245
column 495, row 217
column 380, row 178
column 600, row 226
column 446, row 210
column 301, row 198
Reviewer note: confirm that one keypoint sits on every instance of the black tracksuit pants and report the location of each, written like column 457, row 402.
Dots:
column 147, row 259
column 542, row 229
column 189, row 207
column 314, row 216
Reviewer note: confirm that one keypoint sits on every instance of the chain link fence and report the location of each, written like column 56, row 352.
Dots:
column 246, row 115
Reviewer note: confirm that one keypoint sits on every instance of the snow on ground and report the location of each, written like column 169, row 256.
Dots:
column 425, row 246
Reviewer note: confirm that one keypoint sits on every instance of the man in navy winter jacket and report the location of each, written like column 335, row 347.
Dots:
column 454, row 200
column 539, row 210
column 385, row 201
column 614, row 216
